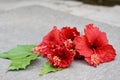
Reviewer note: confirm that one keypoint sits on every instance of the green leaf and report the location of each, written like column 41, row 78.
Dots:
column 18, row 52
column 20, row 57
column 49, row 68
column 21, row 63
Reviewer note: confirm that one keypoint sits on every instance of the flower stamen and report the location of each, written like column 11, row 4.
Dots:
column 56, row 60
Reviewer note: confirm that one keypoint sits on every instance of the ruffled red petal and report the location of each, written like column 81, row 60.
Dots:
column 52, row 37
column 82, row 46
column 106, row 53
column 101, row 40
column 102, row 55
column 95, row 36
column 69, row 33
column 91, row 33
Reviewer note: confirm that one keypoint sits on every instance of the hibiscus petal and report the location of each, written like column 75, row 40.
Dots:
column 91, row 33
column 106, row 53
column 101, row 55
column 52, row 36
column 66, row 33
column 69, row 33
column 101, row 40
column 75, row 32
column 78, row 56
column 82, row 46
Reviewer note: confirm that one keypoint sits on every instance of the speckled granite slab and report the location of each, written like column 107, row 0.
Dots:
column 27, row 25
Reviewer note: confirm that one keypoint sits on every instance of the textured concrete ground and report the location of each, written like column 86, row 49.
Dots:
column 109, row 15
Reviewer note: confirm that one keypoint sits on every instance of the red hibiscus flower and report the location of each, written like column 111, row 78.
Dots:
column 61, row 57
column 94, row 46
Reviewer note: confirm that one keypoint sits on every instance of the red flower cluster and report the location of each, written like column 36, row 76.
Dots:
column 57, row 46
column 60, row 47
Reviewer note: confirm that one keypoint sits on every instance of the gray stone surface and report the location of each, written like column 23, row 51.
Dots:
column 104, row 14
column 27, row 25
